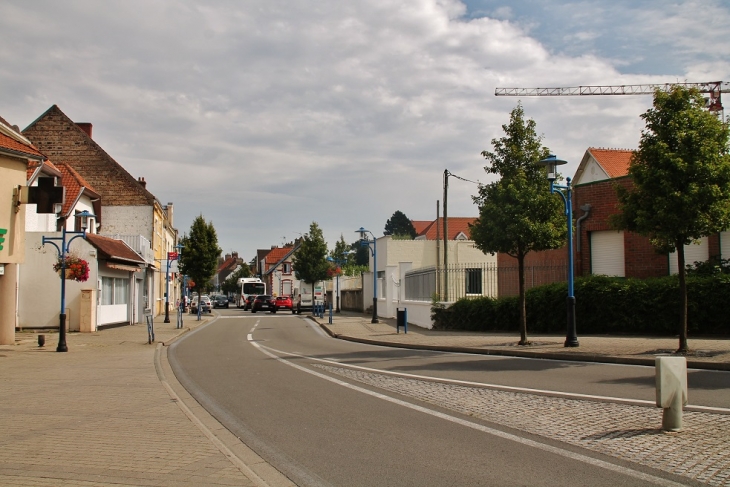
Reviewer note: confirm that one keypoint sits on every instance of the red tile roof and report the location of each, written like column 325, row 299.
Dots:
column 421, row 225
column 276, row 255
column 47, row 164
column 456, row 224
column 230, row 262
column 614, row 161
column 75, row 185
column 112, row 249
column 9, row 143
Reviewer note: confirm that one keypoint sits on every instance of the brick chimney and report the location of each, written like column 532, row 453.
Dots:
column 168, row 210
column 86, row 127
column 234, row 255
column 228, row 256
column 141, row 181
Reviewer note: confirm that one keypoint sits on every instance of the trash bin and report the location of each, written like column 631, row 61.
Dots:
column 401, row 320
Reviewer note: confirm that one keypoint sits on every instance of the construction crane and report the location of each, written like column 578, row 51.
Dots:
column 713, row 88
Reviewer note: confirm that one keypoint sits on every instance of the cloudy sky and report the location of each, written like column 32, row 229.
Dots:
column 266, row 115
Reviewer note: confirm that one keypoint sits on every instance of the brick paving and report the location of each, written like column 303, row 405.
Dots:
column 633, row 433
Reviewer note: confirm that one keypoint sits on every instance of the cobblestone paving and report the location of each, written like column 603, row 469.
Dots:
column 699, row 452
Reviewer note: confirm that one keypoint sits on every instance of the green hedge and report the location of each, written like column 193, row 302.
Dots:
column 604, row 305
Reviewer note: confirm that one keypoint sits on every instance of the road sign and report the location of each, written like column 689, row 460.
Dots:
column 172, row 256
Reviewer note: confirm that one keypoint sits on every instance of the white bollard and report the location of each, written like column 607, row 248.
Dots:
column 671, row 390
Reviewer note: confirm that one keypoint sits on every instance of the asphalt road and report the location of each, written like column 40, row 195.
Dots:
column 273, row 381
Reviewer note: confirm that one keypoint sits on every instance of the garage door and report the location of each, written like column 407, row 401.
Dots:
column 607, row 253
column 692, row 253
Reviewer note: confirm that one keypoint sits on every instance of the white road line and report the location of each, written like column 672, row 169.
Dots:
column 567, row 395
column 508, row 436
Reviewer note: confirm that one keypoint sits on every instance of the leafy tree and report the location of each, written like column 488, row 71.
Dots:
column 200, row 253
column 310, row 264
column 400, row 225
column 341, row 252
column 230, row 285
column 517, row 213
column 361, row 255
column 681, row 180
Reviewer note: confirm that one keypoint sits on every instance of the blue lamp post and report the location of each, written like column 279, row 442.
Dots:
column 373, row 250
column 551, row 162
column 170, row 257
column 62, row 251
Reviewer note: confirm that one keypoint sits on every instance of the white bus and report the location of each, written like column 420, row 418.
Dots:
column 249, row 286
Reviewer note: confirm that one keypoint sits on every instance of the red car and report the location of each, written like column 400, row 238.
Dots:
column 283, row 302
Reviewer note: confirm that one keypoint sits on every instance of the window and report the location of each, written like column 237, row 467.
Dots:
column 287, row 268
column 107, row 290
column 114, row 291
column 474, row 281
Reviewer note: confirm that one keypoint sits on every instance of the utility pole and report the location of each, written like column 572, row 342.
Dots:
column 446, row 236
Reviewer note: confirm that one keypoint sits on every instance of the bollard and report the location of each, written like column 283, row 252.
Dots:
column 671, row 390
column 401, row 320
column 330, row 313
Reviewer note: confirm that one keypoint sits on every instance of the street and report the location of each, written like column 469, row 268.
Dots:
column 330, row 412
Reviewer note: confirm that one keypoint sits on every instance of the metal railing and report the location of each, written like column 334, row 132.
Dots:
column 477, row 280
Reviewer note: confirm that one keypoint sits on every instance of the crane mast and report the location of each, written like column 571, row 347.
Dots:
column 713, row 88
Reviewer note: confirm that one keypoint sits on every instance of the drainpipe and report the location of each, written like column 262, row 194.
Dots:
column 586, row 211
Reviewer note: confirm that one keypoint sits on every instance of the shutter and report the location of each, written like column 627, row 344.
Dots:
column 692, row 253
column 607, row 253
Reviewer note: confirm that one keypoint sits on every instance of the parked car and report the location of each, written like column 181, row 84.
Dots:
column 248, row 304
column 220, row 301
column 283, row 302
column 262, row 302
column 205, row 306
column 232, row 299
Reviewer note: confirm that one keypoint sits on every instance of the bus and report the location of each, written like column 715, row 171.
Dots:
column 249, row 286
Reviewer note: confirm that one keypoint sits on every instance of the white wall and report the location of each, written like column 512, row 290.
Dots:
column 39, row 287
column 127, row 220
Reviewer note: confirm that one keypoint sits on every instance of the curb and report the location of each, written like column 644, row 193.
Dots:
column 565, row 356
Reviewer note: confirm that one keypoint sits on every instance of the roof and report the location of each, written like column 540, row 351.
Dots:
column 112, row 249
column 614, row 161
column 46, row 167
column 421, row 225
column 281, row 255
column 227, row 263
column 15, row 143
column 57, row 136
column 456, row 225
column 75, row 186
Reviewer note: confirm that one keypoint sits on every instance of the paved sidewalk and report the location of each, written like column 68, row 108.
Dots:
column 705, row 353
column 110, row 412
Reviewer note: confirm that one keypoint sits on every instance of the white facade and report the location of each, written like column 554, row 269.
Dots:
column 698, row 252
column 396, row 257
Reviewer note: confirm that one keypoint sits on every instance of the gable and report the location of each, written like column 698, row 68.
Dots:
column 600, row 164
column 60, row 138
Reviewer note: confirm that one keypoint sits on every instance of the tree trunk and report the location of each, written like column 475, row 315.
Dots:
column 523, row 303
column 683, row 346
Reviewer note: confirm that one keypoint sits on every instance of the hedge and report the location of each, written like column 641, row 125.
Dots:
column 604, row 305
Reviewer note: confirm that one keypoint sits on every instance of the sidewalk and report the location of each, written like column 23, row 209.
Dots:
column 110, row 412
column 705, row 353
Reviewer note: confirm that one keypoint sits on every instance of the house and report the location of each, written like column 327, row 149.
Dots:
column 16, row 151
column 229, row 264
column 398, row 260
column 598, row 248
column 107, row 298
column 130, row 212
column 279, row 271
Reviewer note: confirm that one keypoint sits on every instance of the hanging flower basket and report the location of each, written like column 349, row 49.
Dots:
column 76, row 268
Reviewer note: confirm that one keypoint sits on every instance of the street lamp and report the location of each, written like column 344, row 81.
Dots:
column 339, row 262
column 551, row 162
column 366, row 243
column 170, row 257
column 62, row 251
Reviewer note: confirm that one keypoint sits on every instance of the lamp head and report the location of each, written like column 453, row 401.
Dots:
column 363, row 233
column 85, row 215
column 551, row 162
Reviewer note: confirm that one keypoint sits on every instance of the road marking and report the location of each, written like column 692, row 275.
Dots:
column 485, row 429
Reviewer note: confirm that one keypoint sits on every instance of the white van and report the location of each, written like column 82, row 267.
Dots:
column 302, row 298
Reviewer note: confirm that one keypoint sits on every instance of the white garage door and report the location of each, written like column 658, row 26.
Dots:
column 607, row 253
column 692, row 253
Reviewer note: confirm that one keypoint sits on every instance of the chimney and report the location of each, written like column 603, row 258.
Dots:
column 168, row 209
column 141, row 181
column 228, row 256
column 234, row 255
column 86, row 127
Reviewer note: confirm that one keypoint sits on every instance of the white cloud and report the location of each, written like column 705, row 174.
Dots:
column 267, row 115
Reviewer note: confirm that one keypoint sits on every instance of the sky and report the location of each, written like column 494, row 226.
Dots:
column 264, row 116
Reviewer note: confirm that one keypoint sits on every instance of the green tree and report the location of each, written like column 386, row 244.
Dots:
column 681, row 180
column 310, row 261
column 400, row 225
column 517, row 213
column 230, row 285
column 361, row 255
column 200, row 253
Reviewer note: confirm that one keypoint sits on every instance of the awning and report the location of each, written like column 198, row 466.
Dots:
column 122, row 267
